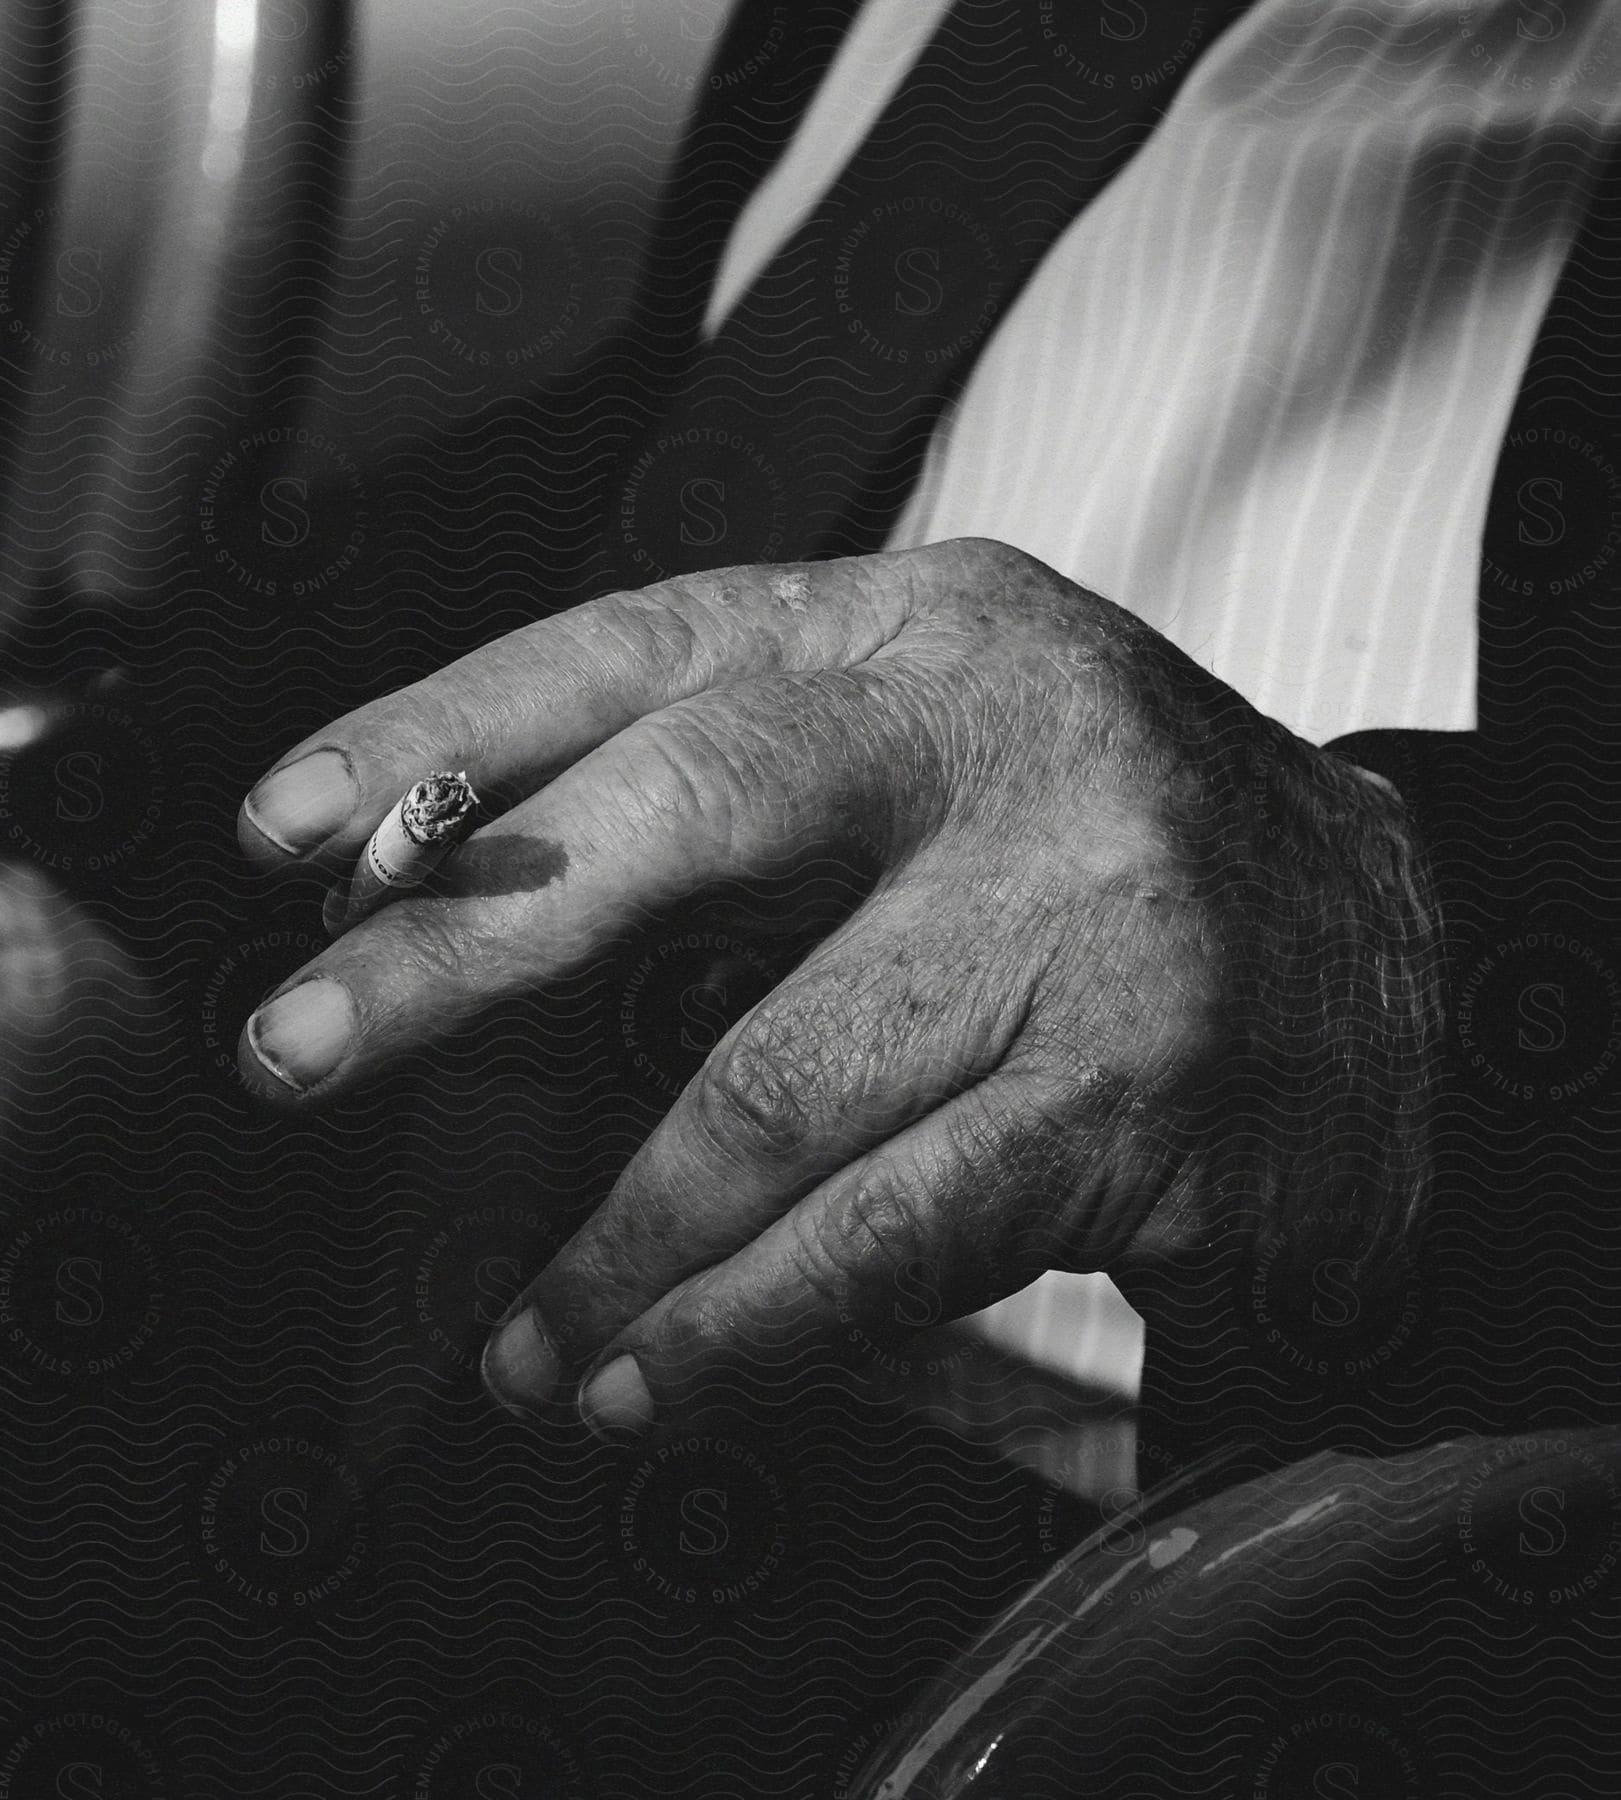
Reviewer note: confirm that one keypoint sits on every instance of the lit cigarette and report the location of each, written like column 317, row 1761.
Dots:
column 430, row 820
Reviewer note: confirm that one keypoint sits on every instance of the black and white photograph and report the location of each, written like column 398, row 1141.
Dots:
column 810, row 899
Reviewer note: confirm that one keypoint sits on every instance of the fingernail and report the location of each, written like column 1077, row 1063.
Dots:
column 615, row 1402
column 302, row 1035
column 520, row 1363
column 299, row 806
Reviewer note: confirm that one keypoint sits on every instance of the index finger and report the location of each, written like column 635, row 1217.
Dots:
column 525, row 707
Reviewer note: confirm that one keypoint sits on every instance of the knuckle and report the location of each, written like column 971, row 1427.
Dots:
column 671, row 770
column 649, row 629
column 452, row 955
column 437, row 946
column 670, row 762
column 697, row 735
column 697, row 1319
column 758, row 1095
column 877, row 1213
column 458, row 710
column 986, row 556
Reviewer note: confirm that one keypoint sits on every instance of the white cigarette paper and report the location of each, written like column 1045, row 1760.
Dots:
column 431, row 819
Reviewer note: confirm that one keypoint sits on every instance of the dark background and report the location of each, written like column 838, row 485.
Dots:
column 282, row 433
column 262, row 1531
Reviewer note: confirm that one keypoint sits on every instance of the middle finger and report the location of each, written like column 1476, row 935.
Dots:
column 731, row 785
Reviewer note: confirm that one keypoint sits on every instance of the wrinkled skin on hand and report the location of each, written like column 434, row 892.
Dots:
column 1133, row 966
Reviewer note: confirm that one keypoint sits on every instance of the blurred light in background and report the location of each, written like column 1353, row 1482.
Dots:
column 21, row 726
column 236, row 32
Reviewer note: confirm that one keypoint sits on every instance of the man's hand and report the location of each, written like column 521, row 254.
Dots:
column 1107, row 902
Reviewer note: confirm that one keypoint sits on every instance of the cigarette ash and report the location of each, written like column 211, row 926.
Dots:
column 437, row 808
